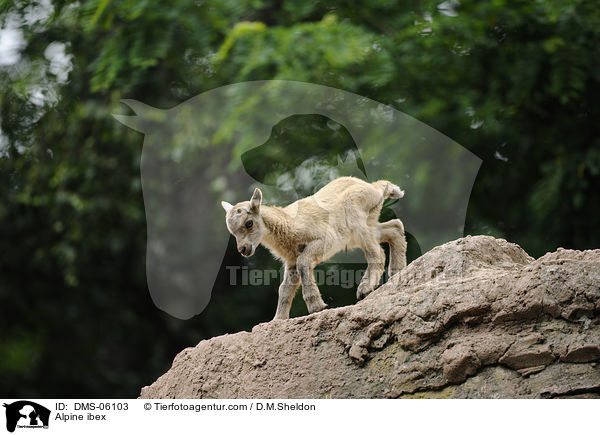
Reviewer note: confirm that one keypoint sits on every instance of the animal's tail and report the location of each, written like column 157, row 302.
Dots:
column 388, row 189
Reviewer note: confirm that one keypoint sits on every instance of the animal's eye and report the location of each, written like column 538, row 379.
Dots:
column 249, row 224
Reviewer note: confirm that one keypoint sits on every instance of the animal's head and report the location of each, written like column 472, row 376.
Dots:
column 245, row 224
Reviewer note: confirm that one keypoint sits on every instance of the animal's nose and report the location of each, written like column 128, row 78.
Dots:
column 242, row 250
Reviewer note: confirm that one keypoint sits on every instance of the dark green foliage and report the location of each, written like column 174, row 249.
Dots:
column 515, row 82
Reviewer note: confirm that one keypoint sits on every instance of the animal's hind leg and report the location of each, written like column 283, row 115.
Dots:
column 376, row 263
column 392, row 232
column 287, row 290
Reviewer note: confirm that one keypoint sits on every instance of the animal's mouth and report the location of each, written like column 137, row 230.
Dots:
column 249, row 254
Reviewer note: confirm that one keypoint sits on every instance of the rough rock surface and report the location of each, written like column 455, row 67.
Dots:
column 473, row 318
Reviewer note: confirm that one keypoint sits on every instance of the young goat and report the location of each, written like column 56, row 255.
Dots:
column 343, row 214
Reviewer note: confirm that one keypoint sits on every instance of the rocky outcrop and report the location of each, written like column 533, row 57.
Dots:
column 473, row 318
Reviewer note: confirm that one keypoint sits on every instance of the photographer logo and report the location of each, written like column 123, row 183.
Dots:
column 25, row 414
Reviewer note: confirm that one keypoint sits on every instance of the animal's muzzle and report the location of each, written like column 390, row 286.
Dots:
column 246, row 250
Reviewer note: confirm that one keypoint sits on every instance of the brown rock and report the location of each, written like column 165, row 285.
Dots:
column 530, row 351
column 583, row 353
column 460, row 362
column 473, row 318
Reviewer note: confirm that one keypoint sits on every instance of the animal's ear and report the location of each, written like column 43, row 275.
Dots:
column 256, row 200
column 226, row 206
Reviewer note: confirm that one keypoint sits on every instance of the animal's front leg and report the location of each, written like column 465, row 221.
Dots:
column 310, row 291
column 287, row 290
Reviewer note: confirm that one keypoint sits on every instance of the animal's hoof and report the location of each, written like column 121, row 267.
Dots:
column 317, row 308
column 363, row 291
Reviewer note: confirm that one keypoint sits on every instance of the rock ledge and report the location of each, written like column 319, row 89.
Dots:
column 473, row 318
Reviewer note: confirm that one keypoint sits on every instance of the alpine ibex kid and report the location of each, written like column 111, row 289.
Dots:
column 344, row 214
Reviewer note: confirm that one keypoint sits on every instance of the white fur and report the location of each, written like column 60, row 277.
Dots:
column 344, row 214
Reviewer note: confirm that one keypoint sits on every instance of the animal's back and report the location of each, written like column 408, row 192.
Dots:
column 342, row 209
column 332, row 195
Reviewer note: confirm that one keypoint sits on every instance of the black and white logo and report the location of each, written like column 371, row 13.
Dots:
column 25, row 414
